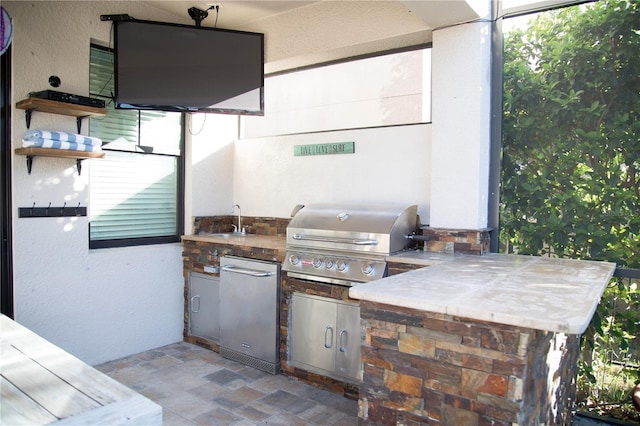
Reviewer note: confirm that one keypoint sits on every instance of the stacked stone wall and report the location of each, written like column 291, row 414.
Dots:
column 458, row 241
column 270, row 226
column 427, row 368
column 395, row 268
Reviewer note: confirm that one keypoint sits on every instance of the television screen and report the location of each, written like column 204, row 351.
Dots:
column 173, row 67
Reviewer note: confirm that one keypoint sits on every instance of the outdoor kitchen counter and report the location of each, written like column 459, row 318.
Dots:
column 419, row 257
column 249, row 240
column 558, row 295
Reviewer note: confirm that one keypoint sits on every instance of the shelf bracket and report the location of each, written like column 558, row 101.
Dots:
column 29, row 162
column 27, row 117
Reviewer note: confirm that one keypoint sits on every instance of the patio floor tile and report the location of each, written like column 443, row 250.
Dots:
column 196, row 386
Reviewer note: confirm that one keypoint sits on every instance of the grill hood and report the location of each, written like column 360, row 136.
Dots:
column 370, row 228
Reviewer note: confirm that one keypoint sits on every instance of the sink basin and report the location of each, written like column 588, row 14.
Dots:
column 227, row 235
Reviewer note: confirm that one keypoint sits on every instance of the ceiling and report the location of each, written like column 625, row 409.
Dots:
column 305, row 33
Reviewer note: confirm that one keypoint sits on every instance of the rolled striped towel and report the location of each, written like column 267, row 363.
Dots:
column 70, row 146
column 36, row 135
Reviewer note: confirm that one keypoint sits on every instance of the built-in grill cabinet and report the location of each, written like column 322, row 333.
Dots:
column 329, row 248
column 327, row 336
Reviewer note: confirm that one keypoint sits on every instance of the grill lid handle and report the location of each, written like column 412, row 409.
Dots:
column 359, row 242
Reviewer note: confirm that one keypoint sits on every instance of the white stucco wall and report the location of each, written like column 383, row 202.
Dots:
column 210, row 153
column 97, row 304
column 384, row 115
column 390, row 164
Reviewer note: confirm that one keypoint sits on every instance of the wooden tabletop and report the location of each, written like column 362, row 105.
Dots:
column 42, row 384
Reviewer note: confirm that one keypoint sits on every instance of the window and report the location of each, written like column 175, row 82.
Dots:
column 347, row 95
column 136, row 190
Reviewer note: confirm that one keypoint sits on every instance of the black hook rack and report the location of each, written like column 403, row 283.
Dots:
column 49, row 211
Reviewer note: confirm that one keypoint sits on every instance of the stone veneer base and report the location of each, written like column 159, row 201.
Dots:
column 463, row 241
column 425, row 368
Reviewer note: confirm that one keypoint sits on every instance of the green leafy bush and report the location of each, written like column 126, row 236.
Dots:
column 571, row 163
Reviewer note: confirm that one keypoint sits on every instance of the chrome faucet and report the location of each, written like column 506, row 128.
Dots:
column 239, row 227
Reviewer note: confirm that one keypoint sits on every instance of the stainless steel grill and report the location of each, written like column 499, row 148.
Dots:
column 346, row 244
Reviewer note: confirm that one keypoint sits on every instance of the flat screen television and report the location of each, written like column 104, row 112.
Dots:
column 174, row 67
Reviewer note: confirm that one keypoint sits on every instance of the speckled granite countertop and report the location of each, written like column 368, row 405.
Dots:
column 542, row 293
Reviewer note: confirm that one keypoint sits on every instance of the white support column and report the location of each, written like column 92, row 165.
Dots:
column 461, row 115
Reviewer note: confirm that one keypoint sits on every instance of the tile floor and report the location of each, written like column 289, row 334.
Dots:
column 196, row 386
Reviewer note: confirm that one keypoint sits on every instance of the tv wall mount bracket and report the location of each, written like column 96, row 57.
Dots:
column 198, row 15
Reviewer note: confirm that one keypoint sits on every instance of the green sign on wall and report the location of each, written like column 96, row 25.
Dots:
column 324, row 149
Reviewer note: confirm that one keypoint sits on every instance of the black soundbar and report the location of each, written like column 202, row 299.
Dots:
column 52, row 95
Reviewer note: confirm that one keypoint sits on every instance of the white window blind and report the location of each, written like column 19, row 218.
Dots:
column 135, row 190
column 133, row 196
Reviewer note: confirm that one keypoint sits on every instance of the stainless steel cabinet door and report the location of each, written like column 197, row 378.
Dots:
column 204, row 305
column 348, row 362
column 313, row 331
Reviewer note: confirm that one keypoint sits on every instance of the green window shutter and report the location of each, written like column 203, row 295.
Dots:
column 134, row 191
column 118, row 125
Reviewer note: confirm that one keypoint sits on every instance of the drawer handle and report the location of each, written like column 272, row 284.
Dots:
column 244, row 271
column 326, row 331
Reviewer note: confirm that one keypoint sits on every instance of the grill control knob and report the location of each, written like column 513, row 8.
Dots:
column 293, row 259
column 341, row 265
column 317, row 262
column 368, row 269
column 330, row 263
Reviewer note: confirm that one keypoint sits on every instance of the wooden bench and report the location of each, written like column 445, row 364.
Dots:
column 42, row 384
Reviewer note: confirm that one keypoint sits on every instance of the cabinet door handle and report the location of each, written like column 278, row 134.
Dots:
column 326, row 331
column 193, row 299
column 343, row 346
